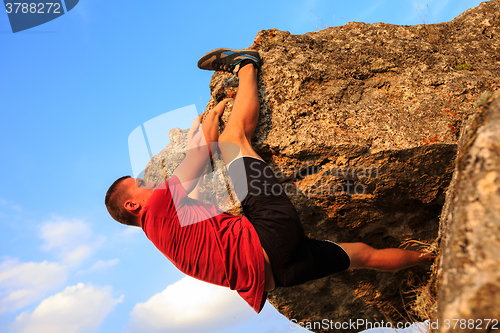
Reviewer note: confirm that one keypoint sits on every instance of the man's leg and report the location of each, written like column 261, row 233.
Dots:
column 364, row 256
column 235, row 140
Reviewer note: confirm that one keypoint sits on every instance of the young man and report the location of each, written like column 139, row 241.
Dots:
column 252, row 254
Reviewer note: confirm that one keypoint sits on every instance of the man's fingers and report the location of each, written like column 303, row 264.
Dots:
column 219, row 108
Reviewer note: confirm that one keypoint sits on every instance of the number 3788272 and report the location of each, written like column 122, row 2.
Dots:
column 33, row 7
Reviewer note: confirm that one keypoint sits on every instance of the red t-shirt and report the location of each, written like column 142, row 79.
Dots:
column 222, row 249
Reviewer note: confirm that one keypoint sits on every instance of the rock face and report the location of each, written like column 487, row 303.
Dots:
column 360, row 124
column 169, row 158
column 470, row 226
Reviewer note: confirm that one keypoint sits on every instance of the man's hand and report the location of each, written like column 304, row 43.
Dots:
column 210, row 127
column 195, row 127
column 219, row 108
column 211, row 123
column 200, row 145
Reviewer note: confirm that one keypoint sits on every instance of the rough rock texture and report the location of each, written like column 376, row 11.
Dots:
column 171, row 156
column 360, row 124
column 470, row 226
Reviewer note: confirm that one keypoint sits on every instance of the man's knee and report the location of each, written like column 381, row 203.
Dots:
column 233, row 136
column 359, row 253
column 234, row 143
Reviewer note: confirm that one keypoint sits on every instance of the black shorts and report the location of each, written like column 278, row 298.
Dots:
column 294, row 257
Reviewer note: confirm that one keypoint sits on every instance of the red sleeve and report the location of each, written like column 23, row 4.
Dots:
column 177, row 191
column 166, row 199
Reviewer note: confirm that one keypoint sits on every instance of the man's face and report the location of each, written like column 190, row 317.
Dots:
column 138, row 195
column 142, row 184
column 138, row 188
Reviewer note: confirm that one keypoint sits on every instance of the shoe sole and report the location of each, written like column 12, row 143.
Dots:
column 210, row 54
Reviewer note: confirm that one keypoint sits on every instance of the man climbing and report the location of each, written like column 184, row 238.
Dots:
column 254, row 253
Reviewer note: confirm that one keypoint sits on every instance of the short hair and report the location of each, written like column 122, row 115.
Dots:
column 114, row 201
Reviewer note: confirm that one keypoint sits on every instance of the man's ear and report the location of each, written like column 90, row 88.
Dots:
column 132, row 206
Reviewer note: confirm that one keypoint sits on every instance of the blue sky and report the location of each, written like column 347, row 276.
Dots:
column 71, row 92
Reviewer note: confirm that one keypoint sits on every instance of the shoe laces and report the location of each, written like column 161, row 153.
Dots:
column 223, row 67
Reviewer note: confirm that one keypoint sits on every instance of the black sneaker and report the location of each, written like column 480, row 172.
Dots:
column 229, row 60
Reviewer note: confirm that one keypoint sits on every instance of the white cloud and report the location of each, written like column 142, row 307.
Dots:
column 189, row 304
column 24, row 283
column 10, row 205
column 72, row 240
column 128, row 232
column 101, row 264
column 77, row 309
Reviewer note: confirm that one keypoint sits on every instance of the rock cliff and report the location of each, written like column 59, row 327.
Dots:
column 469, row 269
column 360, row 124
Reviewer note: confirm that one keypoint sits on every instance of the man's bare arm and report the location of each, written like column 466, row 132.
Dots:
column 200, row 148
